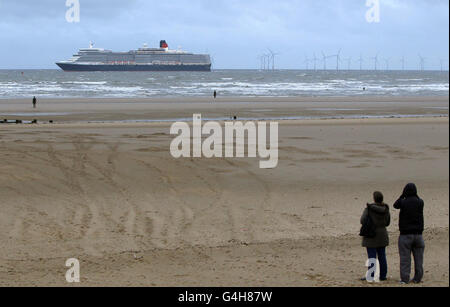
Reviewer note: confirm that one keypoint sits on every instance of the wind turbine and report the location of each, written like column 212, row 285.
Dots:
column 315, row 61
column 441, row 61
column 269, row 60
column 386, row 61
column 375, row 59
column 260, row 58
column 272, row 55
column 338, row 58
column 403, row 62
column 263, row 58
column 265, row 61
column 360, row 60
column 422, row 62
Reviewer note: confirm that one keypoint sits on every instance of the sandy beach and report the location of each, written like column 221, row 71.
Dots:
column 139, row 109
column 103, row 188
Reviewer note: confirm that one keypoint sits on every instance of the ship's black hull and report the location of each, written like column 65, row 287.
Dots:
column 78, row 67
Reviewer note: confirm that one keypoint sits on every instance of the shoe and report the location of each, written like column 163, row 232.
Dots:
column 365, row 279
column 403, row 282
column 416, row 282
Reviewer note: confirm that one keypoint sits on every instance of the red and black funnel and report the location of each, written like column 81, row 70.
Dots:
column 163, row 44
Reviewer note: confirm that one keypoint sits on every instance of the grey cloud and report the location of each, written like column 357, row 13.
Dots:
column 234, row 31
column 26, row 10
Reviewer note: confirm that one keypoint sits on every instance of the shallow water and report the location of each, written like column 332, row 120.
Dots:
column 56, row 83
column 273, row 118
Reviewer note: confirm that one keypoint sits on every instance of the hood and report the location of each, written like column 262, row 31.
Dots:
column 379, row 208
column 410, row 190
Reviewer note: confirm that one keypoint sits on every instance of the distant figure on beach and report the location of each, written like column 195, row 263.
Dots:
column 364, row 88
column 34, row 102
column 411, row 241
column 376, row 245
column 215, row 94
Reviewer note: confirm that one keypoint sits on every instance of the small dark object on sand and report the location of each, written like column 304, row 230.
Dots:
column 50, row 121
column 34, row 121
column 235, row 117
column 18, row 121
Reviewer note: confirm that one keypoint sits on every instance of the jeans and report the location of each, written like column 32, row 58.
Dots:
column 407, row 245
column 381, row 252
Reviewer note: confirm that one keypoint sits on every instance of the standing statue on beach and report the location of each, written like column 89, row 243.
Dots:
column 34, row 102
column 411, row 229
column 379, row 218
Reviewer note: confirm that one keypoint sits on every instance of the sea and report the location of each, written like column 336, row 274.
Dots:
column 249, row 83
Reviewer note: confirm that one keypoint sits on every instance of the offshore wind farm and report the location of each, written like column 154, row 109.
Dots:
column 371, row 62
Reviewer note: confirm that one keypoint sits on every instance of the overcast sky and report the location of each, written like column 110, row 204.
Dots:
column 35, row 33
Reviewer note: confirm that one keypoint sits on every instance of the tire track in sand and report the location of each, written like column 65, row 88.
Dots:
column 173, row 228
column 85, row 214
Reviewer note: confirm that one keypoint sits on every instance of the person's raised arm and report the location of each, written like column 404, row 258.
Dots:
column 399, row 203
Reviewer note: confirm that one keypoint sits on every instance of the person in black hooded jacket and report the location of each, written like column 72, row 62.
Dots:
column 411, row 241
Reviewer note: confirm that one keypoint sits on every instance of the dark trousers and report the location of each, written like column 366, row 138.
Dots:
column 381, row 253
column 407, row 245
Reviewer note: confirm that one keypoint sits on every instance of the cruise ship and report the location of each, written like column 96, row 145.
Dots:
column 143, row 59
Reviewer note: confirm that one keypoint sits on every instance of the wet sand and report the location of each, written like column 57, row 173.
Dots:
column 85, row 110
column 112, row 196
